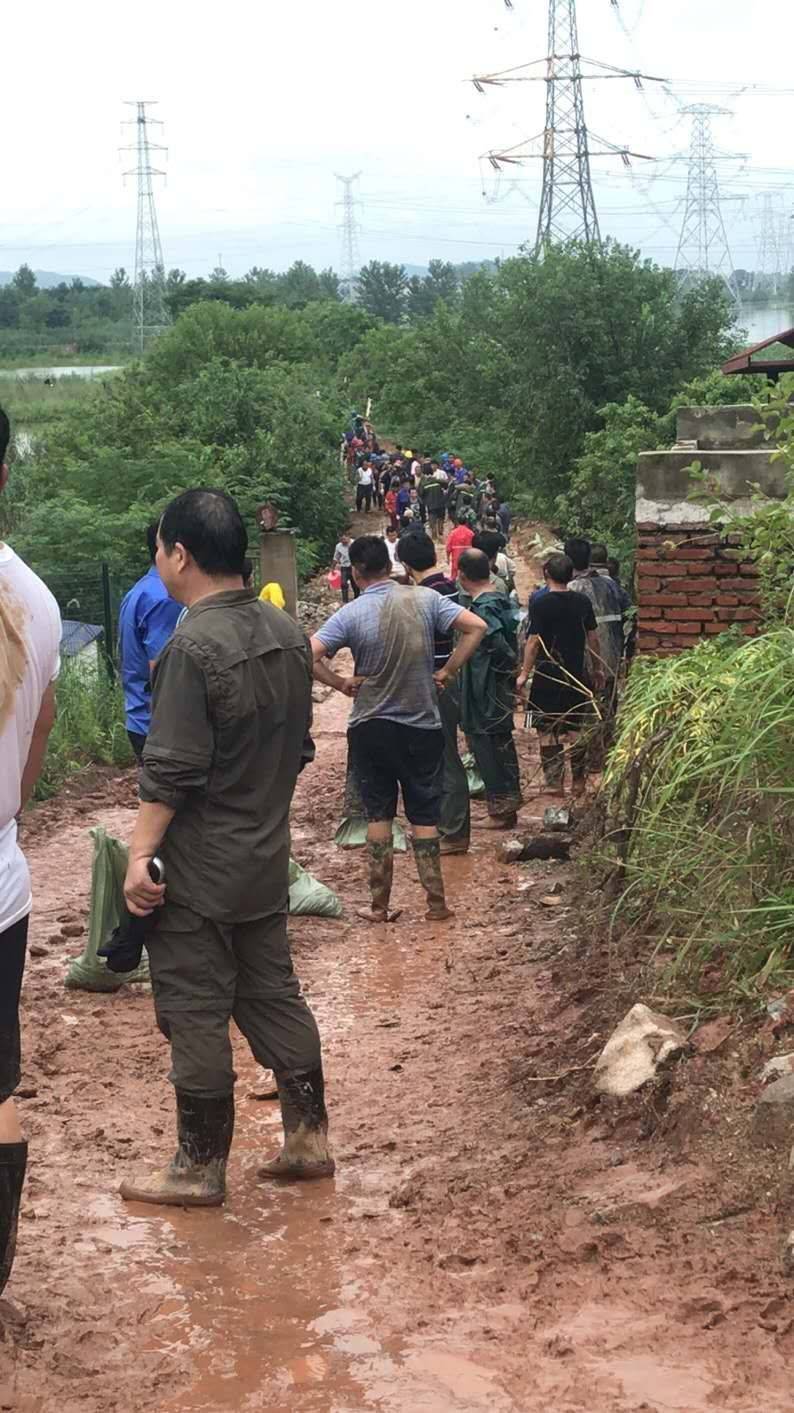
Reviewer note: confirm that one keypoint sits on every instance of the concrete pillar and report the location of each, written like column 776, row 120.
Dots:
column 278, row 563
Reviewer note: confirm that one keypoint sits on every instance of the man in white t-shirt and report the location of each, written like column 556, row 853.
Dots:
column 30, row 635
column 364, row 488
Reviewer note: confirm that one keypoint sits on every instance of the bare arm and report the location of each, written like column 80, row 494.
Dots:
column 38, row 744
column 530, row 658
column 472, row 631
column 323, row 672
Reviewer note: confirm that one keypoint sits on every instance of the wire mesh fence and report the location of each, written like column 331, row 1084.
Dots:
column 89, row 596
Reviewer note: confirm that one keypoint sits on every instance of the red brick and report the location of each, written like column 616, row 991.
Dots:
column 729, row 585
column 692, row 552
column 750, row 630
column 686, row 615
column 646, row 641
column 750, row 571
column 701, row 600
column 667, row 569
column 663, row 599
column 726, row 568
column 712, row 628
column 651, row 625
column 727, row 599
column 737, row 615
column 701, row 585
column 652, row 552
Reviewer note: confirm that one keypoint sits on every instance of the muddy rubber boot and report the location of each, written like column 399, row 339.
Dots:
column 13, row 1161
column 381, row 874
column 580, row 753
column 427, row 853
column 196, row 1177
column 552, row 759
column 305, row 1154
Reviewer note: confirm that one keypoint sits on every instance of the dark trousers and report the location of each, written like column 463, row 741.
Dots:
column 363, row 497
column 348, row 583
column 205, row 974
column 455, row 821
column 13, row 947
column 137, row 740
column 497, row 763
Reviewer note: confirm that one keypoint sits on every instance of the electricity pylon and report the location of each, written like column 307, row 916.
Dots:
column 567, row 206
column 149, row 311
column 703, row 249
column 350, row 261
column 772, row 260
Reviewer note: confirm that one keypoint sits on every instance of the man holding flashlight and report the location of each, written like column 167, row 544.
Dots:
column 231, row 712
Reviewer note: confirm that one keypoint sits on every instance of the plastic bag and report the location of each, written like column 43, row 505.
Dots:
column 335, row 579
column 476, row 783
column 309, row 897
column 108, row 867
column 352, row 832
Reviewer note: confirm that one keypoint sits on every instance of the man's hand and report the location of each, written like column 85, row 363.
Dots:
column 521, row 681
column 142, row 896
column 350, row 685
column 442, row 679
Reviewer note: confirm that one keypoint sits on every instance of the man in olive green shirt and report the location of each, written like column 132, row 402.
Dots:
column 231, row 712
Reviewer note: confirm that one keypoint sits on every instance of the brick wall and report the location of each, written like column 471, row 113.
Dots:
column 691, row 584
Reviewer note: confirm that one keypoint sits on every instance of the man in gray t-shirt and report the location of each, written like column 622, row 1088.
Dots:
column 394, row 735
column 342, row 561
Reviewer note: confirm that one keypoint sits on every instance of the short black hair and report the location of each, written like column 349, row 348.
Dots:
column 489, row 541
column 559, row 567
column 613, row 565
column 5, row 435
column 247, row 569
column 417, row 551
column 475, row 565
column 209, row 525
column 598, row 553
column 151, row 538
column 578, row 551
column 370, row 556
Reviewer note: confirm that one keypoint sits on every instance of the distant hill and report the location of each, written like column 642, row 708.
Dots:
column 48, row 279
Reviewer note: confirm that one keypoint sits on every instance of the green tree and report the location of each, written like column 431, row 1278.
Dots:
column 381, row 289
column 24, row 282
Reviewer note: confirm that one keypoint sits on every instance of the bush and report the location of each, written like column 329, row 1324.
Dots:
column 699, row 786
column 89, row 728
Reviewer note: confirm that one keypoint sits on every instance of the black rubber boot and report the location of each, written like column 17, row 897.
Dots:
column 196, row 1177
column 13, row 1161
column 552, row 759
column 303, row 1113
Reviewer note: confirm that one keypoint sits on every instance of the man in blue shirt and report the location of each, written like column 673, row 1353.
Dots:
column 147, row 618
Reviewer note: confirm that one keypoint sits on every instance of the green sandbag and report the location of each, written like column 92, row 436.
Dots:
column 476, row 783
column 352, row 834
column 109, row 865
column 308, row 897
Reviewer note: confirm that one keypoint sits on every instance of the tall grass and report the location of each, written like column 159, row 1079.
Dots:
column 89, row 727
column 699, row 792
column 30, row 402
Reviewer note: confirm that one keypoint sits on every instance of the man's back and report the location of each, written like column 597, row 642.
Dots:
column 30, row 634
column 603, row 595
column 147, row 618
column 232, row 705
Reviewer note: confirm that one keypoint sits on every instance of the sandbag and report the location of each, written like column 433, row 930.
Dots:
column 352, row 832
column 308, row 897
column 108, row 868
column 476, row 782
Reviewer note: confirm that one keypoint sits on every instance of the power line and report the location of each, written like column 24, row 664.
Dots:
column 149, row 311
column 567, row 207
column 351, row 259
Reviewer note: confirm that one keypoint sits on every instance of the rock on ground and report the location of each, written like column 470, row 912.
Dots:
column 642, row 1043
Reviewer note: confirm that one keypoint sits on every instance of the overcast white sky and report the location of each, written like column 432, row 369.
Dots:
column 262, row 101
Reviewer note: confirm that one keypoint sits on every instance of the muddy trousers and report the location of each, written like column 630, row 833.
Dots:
column 205, row 974
column 497, row 763
column 455, row 821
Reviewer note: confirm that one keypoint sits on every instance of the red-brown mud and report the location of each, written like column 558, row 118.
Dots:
column 492, row 1241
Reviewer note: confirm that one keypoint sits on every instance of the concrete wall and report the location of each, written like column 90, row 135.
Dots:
column 691, row 581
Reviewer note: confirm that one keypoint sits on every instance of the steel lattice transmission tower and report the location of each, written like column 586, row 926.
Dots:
column 350, row 261
column 567, row 206
column 149, row 311
column 703, row 249
column 772, row 260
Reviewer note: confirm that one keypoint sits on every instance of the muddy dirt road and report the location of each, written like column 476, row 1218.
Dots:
column 484, row 1246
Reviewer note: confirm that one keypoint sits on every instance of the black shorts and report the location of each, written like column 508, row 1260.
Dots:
column 13, row 945
column 386, row 756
